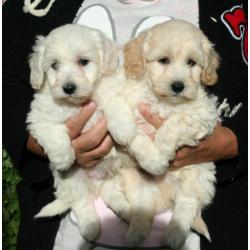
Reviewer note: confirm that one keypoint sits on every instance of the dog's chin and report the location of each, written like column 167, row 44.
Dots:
column 75, row 100
column 175, row 98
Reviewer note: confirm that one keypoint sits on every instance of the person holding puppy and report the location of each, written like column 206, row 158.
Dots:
column 36, row 189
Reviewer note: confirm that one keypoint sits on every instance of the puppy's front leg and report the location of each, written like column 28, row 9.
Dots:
column 124, row 130
column 55, row 142
column 177, row 131
column 121, row 122
column 148, row 155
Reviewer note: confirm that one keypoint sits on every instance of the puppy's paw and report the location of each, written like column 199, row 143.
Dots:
column 62, row 159
column 154, row 167
column 175, row 236
column 121, row 208
column 154, row 164
column 125, row 134
column 136, row 235
column 91, row 229
column 121, row 122
column 148, row 155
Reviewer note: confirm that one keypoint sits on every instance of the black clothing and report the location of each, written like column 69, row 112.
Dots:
column 226, row 217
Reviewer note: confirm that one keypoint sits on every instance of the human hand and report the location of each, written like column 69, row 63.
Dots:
column 222, row 144
column 91, row 146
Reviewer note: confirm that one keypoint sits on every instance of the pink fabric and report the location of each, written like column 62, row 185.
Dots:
column 114, row 229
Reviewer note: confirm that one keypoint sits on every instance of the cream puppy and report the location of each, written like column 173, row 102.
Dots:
column 167, row 66
column 67, row 67
column 174, row 59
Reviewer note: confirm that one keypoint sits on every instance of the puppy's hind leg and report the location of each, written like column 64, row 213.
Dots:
column 178, row 229
column 87, row 219
column 139, row 226
column 141, row 197
column 113, row 194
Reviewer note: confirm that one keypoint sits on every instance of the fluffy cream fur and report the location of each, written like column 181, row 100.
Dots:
column 169, row 53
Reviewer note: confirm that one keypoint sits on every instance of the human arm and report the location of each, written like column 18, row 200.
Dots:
column 91, row 146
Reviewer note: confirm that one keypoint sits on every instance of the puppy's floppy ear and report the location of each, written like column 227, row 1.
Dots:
column 109, row 58
column 35, row 63
column 134, row 60
column 209, row 74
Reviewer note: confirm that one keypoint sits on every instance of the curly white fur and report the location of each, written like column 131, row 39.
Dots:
column 82, row 58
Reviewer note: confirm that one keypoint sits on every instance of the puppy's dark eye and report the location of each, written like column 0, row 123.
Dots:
column 164, row 60
column 55, row 65
column 191, row 62
column 83, row 62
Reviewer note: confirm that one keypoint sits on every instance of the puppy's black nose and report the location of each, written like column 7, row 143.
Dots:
column 69, row 88
column 177, row 86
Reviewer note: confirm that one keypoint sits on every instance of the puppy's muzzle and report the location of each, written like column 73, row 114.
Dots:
column 177, row 87
column 69, row 88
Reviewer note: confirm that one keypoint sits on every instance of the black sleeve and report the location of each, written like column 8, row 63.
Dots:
column 233, row 80
column 19, row 32
column 228, row 170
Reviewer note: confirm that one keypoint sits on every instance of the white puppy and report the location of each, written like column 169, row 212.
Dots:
column 66, row 68
column 167, row 66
